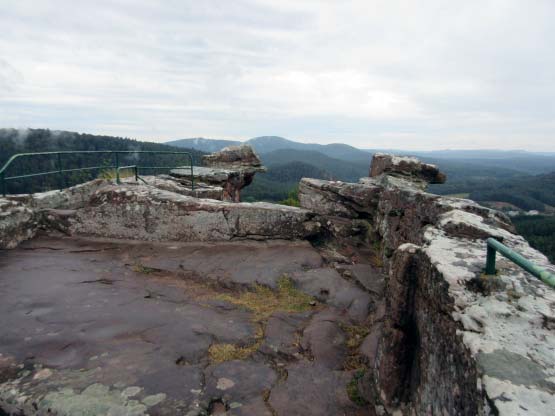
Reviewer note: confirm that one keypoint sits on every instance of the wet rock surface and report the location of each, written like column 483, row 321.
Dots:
column 283, row 335
column 325, row 340
column 231, row 312
column 326, row 285
column 313, row 389
column 114, row 327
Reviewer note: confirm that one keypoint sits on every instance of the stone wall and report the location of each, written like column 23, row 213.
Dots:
column 17, row 223
column 22, row 215
column 453, row 342
column 147, row 213
column 70, row 198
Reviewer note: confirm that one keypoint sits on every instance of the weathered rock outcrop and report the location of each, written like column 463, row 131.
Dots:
column 17, row 223
column 172, row 184
column 231, row 169
column 234, row 157
column 452, row 341
column 405, row 167
column 70, row 198
column 147, row 213
column 22, row 215
column 441, row 338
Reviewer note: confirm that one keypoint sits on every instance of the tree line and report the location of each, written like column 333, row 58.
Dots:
column 14, row 141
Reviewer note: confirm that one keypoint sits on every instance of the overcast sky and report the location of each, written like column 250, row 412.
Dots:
column 375, row 74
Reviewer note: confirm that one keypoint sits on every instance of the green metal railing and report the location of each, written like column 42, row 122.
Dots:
column 116, row 164
column 495, row 246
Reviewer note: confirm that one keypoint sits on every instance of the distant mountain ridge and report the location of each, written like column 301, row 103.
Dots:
column 336, row 169
column 267, row 144
column 202, row 144
column 518, row 161
column 468, row 171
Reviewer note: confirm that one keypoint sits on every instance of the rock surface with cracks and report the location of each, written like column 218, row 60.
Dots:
column 452, row 340
column 147, row 213
column 368, row 300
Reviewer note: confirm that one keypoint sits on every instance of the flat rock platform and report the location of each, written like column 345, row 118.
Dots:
column 108, row 327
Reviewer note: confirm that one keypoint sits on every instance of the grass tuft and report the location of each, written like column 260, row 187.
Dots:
column 262, row 302
column 139, row 268
column 353, row 391
column 355, row 336
column 219, row 353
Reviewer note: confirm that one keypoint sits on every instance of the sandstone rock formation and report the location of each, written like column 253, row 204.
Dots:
column 435, row 336
column 405, row 167
column 241, row 157
column 75, row 197
column 17, row 223
column 147, row 213
column 231, row 169
column 448, row 331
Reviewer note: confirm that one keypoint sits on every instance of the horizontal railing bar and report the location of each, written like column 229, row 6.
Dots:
column 495, row 246
column 60, row 171
column 30, row 175
column 90, row 168
column 161, row 167
column 74, row 152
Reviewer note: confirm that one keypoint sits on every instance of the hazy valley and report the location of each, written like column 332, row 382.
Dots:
column 519, row 183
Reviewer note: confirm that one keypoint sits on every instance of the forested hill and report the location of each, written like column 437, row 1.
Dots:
column 268, row 144
column 14, row 141
column 531, row 192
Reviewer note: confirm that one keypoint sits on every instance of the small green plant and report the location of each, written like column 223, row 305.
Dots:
column 292, row 198
column 352, row 389
column 139, row 268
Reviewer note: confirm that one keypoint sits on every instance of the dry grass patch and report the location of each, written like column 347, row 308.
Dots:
column 355, row 336
column 262, row 302
column 219, row 353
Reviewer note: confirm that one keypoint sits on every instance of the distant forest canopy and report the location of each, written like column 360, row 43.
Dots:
column 519, row 180
column 14, row 141
column 525, row 192
column 506, row 177
column 539, row 231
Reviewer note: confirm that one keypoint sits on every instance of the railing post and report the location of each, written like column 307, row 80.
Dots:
column 192, row 178
column 60, row 173
column 136, row 173
column 490, row 261
column 495, row 246
column 117, row 168
column 4, row 190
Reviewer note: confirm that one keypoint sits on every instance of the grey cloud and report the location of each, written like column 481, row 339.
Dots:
column 370, row 73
